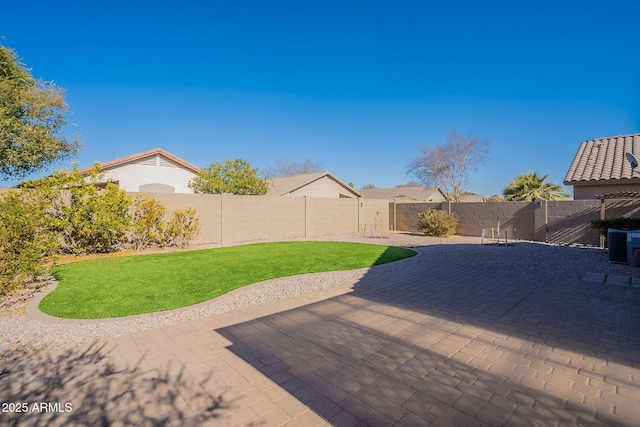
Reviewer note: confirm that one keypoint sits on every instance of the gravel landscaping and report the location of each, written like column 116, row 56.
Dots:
column 23, row 335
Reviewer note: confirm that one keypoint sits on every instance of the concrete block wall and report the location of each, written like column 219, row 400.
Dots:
column 331, row 216
column 565, row 221
column 374, row 215
column 228, row 218
column 406, row 214
column 618, row 208
column 570, row 221
column 514, row 218
column 247, row 218
column 208, row 206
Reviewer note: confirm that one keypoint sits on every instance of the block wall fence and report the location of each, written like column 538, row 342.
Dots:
column 566, row 221
column 226, row 218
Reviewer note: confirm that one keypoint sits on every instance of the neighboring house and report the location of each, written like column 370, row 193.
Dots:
column 429, row 194
column 472, row 198
column 317, row 184
column 600, row 167
column 153, row 171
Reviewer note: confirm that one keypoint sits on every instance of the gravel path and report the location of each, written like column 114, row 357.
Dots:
column 23, row 335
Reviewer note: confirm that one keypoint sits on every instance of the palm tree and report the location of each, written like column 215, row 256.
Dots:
column 532, row 187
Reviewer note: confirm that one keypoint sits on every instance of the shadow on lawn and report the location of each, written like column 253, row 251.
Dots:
column 87, row 387
column 450, row 343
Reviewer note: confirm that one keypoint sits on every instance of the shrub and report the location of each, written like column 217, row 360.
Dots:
column 620, row 223
column 437, row 223
column 151, row 229
column 88, row 218
column 148, row 223
column 182, row 227
column 69, row 213
column 24, row 240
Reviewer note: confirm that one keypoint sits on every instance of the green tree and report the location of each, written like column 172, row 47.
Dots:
column 31, row 120
column 235, row 176
column 531, row 187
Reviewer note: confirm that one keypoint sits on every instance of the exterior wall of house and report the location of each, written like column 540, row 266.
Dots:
column 322, row 188
column 588, row 191
column 132, row 176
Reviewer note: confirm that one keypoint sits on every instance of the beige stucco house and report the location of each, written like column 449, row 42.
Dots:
column 317, row 184
column 428, row 194
column 153, row 171
column 600, row 167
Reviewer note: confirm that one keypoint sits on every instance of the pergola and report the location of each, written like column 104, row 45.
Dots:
column 609, row 196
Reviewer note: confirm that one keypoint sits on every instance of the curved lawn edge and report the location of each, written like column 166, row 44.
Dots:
column 143, row 284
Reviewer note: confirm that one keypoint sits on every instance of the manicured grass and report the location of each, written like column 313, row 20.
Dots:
column 129, row 285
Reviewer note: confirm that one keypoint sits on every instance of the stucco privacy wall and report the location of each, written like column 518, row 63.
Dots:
column 234, row 219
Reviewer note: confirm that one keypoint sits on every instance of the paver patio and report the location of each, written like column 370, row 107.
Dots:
column 417, row 346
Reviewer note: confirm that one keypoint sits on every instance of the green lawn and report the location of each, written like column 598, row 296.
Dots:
column 138, row 284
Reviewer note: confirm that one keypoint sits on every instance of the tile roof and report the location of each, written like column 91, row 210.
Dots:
column 603, row 159
column 287, row 184
column 135, row 157
column 409, row 193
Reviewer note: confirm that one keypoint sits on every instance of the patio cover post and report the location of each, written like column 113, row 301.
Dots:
column 603, row 209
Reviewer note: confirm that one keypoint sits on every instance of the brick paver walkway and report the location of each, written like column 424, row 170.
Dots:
column 418, row 346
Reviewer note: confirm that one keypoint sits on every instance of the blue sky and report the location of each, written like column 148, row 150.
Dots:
column 358, row 86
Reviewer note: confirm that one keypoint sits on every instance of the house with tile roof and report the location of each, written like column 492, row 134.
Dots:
column 600, row 167
column 153, row 171
column 429, row 194
column 316, row 184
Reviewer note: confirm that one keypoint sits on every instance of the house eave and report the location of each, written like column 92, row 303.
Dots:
column 611, row 181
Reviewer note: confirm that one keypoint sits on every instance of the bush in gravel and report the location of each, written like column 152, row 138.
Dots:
column 436, row 223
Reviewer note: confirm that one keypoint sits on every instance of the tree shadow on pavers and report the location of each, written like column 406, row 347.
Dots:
column 452, row 342
column 90, row 387
column 355, row 362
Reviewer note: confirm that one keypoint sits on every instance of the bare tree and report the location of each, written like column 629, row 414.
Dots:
column 410, row 183
column 448, row 165
column 285, row 167
column 369, row 187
